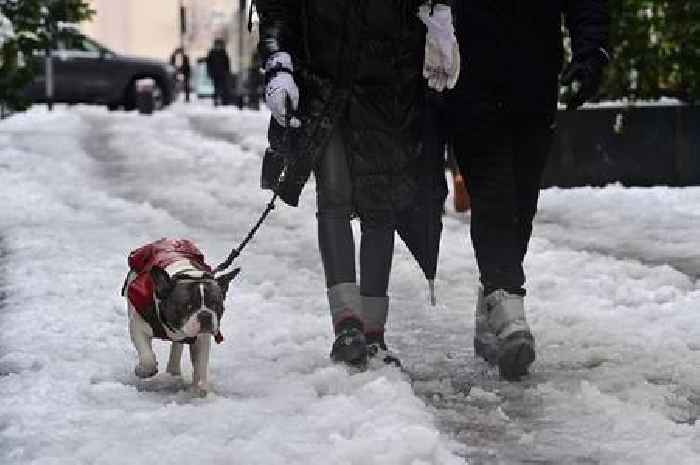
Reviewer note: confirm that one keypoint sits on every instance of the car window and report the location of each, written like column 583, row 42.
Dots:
column 90, row 45
column 75, row 43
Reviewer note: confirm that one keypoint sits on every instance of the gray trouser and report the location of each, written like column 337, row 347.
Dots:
column 334, row 195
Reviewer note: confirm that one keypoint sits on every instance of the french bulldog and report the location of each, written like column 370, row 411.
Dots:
column 172, row 294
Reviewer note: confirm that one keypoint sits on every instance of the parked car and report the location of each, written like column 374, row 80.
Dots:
column 87, row 72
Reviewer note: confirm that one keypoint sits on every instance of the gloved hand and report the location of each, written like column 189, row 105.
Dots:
column 442, row 60
column 7, row 31
column 583, row 75
column 281, row 92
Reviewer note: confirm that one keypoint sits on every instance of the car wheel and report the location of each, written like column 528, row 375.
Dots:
column 149, row 96
column 130, row 97
column 146, row 96
column 112, row 106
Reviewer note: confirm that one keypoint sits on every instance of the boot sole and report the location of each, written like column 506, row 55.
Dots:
column 516, row 355
column 353, row 357
column 485, row 351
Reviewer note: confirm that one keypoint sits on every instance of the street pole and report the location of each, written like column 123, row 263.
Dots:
column 183, row 25
column 185, row 63
column 240, row 84
column 49, row 79
column 48, row 58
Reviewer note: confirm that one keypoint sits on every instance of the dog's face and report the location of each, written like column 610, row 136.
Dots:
column 191, row 306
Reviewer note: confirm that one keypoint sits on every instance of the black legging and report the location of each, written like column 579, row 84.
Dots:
column 334, row 195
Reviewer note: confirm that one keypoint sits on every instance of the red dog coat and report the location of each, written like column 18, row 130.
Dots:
column 161, row 253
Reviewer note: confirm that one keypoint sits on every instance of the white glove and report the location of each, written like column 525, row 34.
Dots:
column 442, row 60
column 281, row 89
column 6, row 30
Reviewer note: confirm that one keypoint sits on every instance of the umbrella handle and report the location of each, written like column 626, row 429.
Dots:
column 431, row 291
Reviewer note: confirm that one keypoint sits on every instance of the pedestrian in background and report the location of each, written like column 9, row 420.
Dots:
column 503, row 110
column 219, row 70
column 352, row 74
column 181, row 61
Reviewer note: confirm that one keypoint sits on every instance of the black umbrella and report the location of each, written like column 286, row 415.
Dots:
column 420, row 226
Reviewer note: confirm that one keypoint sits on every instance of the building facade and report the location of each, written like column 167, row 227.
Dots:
column 152, row 28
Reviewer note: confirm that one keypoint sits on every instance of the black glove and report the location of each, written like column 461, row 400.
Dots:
column 583, row 75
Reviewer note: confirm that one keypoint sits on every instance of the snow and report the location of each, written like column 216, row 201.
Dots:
column 630, row 103
column 613, row 295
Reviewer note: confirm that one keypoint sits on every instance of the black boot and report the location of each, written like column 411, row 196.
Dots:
column 350, row 346
column 377, row 349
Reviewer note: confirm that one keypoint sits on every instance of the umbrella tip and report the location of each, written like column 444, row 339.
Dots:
column 431, row 291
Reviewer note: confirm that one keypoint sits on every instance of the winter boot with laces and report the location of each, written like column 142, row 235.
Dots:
column 350, row 346
column 501, row 334
column 377, row 350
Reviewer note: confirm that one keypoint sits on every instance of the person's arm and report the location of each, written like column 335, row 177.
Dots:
column 588, row 22
column 280, row 27
column 227, row 63
column 441, row 64
column 210, row 70
column 280, row 42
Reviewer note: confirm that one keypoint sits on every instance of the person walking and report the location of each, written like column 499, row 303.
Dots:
column 347, row 78
column 503, row 110
column 219, row 70
column 181, row 61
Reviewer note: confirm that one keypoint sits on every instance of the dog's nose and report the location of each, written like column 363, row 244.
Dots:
column 205, row 321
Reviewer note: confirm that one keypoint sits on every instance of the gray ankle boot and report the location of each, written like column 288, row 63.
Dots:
column 375, row 311
column 501, row 333
column 350, row 346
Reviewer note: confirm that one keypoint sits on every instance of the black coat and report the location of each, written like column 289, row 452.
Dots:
column 218, row 64
column 512, row 50
column 359, row 61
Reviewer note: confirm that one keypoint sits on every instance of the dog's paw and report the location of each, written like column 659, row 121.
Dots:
column 174, row 372
column 146, row 371
column 199, row 390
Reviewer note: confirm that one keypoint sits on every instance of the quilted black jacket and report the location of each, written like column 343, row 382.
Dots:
column 512, row 50
column 360, row 62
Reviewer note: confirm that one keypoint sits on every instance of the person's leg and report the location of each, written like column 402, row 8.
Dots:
column 486, row 151
column 484, row 148
column 337, row 248
column 376, row 253
column 462, row 202
column 217, row 92
column 187, row 88
column 225, row 93
column 533, row 142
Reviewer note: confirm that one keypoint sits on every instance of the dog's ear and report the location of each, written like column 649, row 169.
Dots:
column 162, row 284
column 225, row 279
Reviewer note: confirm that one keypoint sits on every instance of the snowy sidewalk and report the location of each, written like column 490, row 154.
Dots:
column 617, row 380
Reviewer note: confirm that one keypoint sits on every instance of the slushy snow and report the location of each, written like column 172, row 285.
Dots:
column 613, row 296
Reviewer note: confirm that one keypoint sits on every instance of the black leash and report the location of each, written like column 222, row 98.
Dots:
column 236, row 252
column 270, row 205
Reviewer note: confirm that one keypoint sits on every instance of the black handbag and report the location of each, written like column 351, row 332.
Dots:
column 272, row 168
column 279, row 161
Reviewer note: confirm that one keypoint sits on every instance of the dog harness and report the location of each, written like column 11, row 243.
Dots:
column 179, row 258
